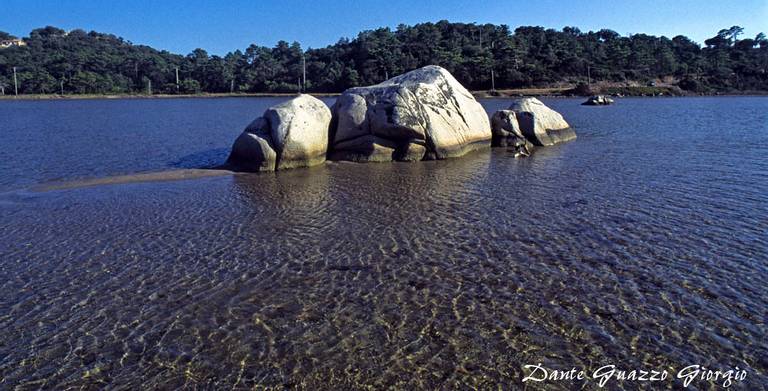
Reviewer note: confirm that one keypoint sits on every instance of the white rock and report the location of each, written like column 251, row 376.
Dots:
column 504, row 124
column 506, row 133
column 540, row 124
column 253, row 150
column 424, row 113
column 289, row 135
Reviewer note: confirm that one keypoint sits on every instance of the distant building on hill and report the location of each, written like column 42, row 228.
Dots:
column 6, row 43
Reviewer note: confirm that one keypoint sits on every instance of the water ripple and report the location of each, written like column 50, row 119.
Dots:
column 641, row 244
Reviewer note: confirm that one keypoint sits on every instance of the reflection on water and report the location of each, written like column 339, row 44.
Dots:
column 619, row 248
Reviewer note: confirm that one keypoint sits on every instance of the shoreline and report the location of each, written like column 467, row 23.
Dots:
column 510, row 93
column 155, row 96
column 565, row 92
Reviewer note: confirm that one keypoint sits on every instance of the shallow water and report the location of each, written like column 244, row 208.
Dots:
column 641, row 244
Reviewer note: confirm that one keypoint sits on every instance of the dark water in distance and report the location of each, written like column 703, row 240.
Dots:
column 641, row 244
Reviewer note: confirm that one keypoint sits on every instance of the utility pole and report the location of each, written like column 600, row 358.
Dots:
column 493, row 78
column 177, row 80
column 481, row 37
column 15, row 83
column 304, row 71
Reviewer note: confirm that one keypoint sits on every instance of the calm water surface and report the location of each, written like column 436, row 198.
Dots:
column 641, row 244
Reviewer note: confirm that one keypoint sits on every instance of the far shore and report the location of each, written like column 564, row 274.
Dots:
column 155, row 96
column 559, row 92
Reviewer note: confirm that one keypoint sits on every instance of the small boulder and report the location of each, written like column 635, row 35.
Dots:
column 253, row 149
column 422, row 114
column 539, row 124
column 289, row 135
column 598, row 100
column 506, row 133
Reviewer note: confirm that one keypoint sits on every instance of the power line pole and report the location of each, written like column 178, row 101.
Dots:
column 493, row 61
column 481, row 37
column 304, row 71
column 15, row 83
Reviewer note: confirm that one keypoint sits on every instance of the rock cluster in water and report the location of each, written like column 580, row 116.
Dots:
column 424, row 114
column 598, row 100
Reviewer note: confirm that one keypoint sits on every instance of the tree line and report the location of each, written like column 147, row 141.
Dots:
column 479, row 56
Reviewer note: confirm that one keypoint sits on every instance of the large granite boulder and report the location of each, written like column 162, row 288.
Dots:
column 423, row 114
column 289, row 135
column 506, row 133
column 539, row 124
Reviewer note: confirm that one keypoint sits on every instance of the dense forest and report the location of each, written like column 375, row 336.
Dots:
column 480, row 56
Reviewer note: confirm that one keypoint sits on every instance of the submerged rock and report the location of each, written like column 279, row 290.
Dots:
column 423, row 114
column 289, row 135
column 539, row 124
column 506, row 133
column 598, row 100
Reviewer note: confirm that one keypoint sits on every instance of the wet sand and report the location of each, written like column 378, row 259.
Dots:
column 161, row 176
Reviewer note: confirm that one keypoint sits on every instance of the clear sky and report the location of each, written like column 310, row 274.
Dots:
column 223, row 26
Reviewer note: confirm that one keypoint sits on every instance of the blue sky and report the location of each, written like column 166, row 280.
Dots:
column 220, row 27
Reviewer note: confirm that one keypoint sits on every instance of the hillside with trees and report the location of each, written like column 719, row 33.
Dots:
column 79, row 62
